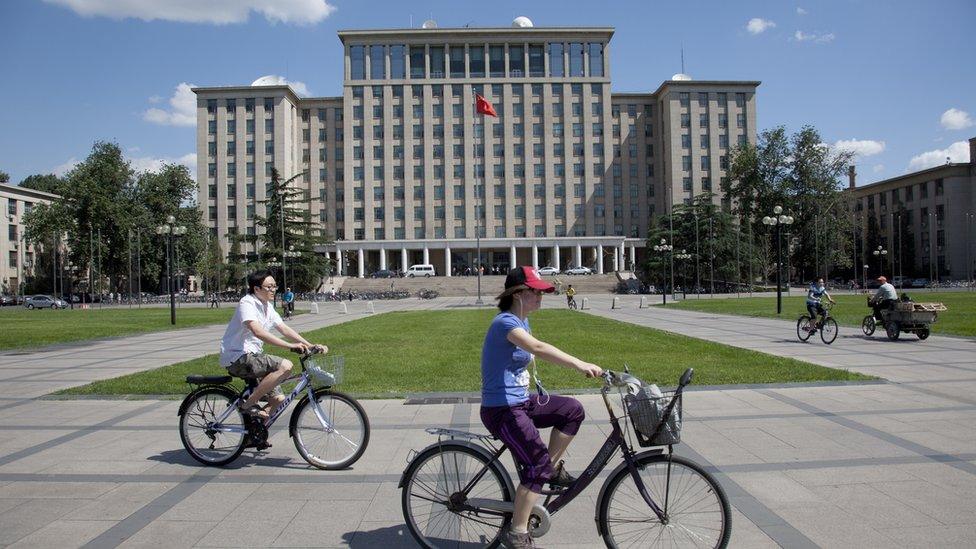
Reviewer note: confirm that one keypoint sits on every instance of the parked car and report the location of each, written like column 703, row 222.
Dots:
column 7, row 300
column 44, row 301
column 384, row 273
column 578, row 271
column 421, row 270
column 548, row 271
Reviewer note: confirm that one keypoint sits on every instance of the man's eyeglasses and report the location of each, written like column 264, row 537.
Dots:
column 269, row 288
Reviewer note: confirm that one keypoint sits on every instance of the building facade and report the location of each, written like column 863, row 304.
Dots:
column 17, row 257
column 402, row 169
column 925, row 221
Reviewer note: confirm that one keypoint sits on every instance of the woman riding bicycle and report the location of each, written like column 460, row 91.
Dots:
column 508, row 411
column 815, row 293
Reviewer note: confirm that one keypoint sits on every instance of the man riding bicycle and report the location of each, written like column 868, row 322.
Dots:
column 815, row 293
column 883, row 298
column 570, row 292
column 289, row 302
column 243, row 342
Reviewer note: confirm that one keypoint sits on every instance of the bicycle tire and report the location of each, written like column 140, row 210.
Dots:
column 494, row 485
column 668, row 535
column 199, row 409
column 869, row 325
column 828, row 332
column 347, row 416
column 801, row 328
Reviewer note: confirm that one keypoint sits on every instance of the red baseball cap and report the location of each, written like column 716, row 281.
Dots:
column 521, row 278
column 882, row 279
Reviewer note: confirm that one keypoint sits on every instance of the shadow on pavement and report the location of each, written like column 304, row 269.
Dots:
column 245, row 461
column 389, row 537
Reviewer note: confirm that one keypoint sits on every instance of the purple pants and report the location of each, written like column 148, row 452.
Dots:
column 518, row 427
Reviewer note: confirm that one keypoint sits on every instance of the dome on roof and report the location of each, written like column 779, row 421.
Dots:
column 681, row 76
column 522, row 22
column 268, row 80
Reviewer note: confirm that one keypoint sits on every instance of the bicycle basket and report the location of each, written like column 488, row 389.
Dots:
column 650, row 416
column 325, row 370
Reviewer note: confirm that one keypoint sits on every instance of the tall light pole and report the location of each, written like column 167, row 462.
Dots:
column 168, row 231
column 880, row 253
column 864, row 278
column 681, row 256
column 778, row 219
column 970, row 217
column 665, row 249
column 697, row 255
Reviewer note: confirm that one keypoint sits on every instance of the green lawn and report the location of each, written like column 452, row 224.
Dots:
column 404, row 352
column 24, row 328
column 960, row 319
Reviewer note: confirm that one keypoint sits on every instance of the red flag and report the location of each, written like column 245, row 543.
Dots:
column 484, row 107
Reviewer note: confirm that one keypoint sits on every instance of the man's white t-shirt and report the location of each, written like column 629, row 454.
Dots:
column 887, row 291
column 238, row 340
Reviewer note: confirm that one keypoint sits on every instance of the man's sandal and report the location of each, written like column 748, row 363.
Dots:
column 253, row 410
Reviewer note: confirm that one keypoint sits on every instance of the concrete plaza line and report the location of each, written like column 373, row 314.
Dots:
column 876, row 465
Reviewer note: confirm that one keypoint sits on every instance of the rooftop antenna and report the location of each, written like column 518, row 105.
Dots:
column 683, row 59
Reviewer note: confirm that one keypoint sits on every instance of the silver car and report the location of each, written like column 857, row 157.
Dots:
column 44, row 301
column 578, row 271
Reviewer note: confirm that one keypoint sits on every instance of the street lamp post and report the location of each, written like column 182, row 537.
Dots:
column 665, row 249
column 880, row 253
column 170, row 230
column 778, row 220
column 289, row 253
column 681, row 256
column 864, row 278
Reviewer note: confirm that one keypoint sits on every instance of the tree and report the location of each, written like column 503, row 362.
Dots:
column 4, row 177
column 211, row 266
column 288, row 226
column 803, row 175
column 48, row 183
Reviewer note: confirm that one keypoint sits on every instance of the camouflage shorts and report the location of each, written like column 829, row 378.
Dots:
column 255, row 366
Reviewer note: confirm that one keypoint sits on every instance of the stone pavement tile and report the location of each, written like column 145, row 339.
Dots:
column 212, row 502
column 7, row 504
column 850, row 475
column 323, row 524
column 31, row 464
column 775, row 489
column 121, row 502
column 712, row 442
column 65, row 533
column 33, row 515
column 96, row 466
column 21, row 439
column 926, row 537
column 260, row 508
column 876, row 508
column 56, row 490
column 947, row 478
column 313, row 491
column 745, row 534
column 830, row 526
column 952, row 507
column 386, row 504
column 233, row 532
column 164, row 534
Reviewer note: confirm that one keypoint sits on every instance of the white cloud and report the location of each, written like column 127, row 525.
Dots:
column 154, row 164
column 957, row 152
column 276, row 80
column 801, row 36
column 64, row 168
column 877, row 168
column 955, row 119
column 220, row 12
column 800, row 11
column 155, row 99
column 860, row 148
column 184, row 112
column 757, row 25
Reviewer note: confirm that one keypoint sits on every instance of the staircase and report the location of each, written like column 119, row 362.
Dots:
column 461, row 286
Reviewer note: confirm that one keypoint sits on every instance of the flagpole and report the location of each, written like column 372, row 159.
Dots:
column 483, row 107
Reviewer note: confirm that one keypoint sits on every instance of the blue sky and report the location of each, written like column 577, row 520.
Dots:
column 894, row 80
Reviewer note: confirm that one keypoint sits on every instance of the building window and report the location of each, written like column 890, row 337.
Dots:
column 476, row 58
column 357, row 62
column 596, row 59
column 576, row 59
column 457, row 66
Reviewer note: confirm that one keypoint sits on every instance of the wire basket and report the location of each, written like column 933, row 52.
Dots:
column 656, row 420
column 325, row 370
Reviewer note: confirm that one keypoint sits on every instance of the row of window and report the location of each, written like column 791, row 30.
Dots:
column 723, row 162
column 450, row 61
column 232, row 126
column 231, row 105
column 723, row 120
column 907, row 191
column 457, row 110
column 723, row 141
column 684, row 98
column 12, row 206
column 457, row 90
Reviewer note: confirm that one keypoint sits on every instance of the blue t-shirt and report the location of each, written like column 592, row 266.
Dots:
column 814, row 294
column 504, row 373
column 289, row 297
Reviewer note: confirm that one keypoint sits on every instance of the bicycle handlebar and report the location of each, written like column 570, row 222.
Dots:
column 619, row 379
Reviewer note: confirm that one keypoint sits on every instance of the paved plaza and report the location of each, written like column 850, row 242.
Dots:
column 878, row 464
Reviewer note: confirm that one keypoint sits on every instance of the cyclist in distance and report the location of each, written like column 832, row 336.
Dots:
column 570, row 292
column 815, row 293
column 243, row 342
column 289, row 302
column 510, row 413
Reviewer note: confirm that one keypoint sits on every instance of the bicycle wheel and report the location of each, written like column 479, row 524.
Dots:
column 337, row 446
column 697, row 510
column 432, row 503
column 828, row 332
column 868, row 325
column 801, row 328
column 197, row 422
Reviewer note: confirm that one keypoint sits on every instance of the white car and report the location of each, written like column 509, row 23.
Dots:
column 546, row 271
column 578, row 271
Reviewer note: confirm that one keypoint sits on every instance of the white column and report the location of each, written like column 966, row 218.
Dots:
column 535, row 256
column 578, row 255
column 403, row 260
column 382, row 259
column 633, row 257
column 511, row 257
column 555, row 258
column 447, row 261
column 599, row 259
column 623, row 263
column 426, row 255
column 361, row 266
column 616, row 259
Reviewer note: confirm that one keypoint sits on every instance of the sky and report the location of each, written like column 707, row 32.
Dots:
column 893, row 81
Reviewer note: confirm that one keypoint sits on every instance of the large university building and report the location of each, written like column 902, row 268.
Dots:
column 18, row 255
column 925, row 222
column 402, row 169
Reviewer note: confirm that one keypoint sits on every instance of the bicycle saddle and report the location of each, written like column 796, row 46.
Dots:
column 208, row 380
